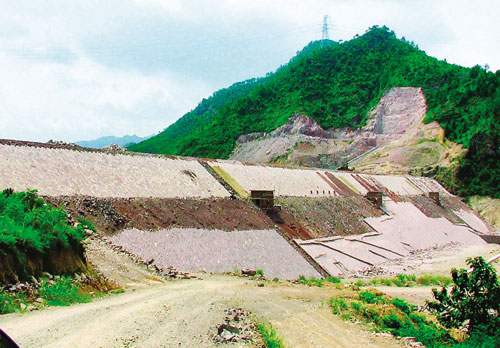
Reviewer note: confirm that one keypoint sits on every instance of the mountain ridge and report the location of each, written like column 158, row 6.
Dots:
column 336, row 86
column 104, row 141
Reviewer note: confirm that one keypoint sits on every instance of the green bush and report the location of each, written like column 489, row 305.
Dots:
column 337, row 305
column 474, row 300
column 401, row 305
column 480, row 339
column 333, row 280
column 370, row 297
column 26, row 222
column 391, row 321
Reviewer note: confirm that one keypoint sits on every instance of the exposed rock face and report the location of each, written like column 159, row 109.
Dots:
column 396, row 119
column 398, row 109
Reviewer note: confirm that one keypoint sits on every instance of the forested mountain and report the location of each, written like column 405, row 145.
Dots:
column 336, row 84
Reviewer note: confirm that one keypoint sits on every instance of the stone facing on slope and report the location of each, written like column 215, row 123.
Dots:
column 287, row 182
column 56, row 172
column 403, row 230
column 217, row 251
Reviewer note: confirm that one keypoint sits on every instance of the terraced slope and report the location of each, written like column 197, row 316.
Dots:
column 57, row 172
column 178, row 211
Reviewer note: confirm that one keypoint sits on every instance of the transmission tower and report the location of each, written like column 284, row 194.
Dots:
column 324, row 35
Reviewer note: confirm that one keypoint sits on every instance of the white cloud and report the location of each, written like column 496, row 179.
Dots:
column 43, row 100
column 85, row 68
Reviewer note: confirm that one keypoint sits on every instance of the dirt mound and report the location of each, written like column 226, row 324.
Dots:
column 110, row 215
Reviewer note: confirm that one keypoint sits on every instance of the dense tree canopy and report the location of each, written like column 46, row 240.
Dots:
column 337, row 84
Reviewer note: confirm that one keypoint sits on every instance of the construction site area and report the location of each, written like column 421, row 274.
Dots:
column 203, row 221
column 217, row 216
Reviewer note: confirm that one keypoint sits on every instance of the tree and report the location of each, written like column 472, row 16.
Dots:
column 474, row 299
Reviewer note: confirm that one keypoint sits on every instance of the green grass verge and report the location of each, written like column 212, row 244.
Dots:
column 60, row 291
column 313, row 281
column 391, row 315
column 408, row 280
column 270, row 336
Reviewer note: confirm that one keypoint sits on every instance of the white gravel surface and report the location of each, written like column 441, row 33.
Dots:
column 217, row 251
column 55, row 172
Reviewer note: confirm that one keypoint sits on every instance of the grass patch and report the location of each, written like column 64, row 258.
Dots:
column 233, row 183
column 313, row 281
column 391, row 315
column 270, row 336
column 408, row 280
column 59, row 291
column 63, row 292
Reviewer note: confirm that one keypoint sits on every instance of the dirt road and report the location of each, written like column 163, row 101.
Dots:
column 184, row 313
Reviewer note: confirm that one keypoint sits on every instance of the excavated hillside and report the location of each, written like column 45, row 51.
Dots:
column 395, row 140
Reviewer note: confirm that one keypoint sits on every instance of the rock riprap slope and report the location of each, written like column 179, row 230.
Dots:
column 290, row 182
column 404, row 229
column 217, row 251
column 57, row 172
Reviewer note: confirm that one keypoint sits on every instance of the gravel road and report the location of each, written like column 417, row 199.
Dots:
column 184, row 313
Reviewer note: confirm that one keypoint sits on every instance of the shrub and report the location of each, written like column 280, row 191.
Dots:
column 391, row 321
column 474, row 299
column 26, row 222
column 260, row 272
column 370, row 297
column 401, row 305
column 479, row 339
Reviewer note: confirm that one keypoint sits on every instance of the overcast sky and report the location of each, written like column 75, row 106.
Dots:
column 76, row 70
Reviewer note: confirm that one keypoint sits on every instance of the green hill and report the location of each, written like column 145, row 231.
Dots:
column 336, row 84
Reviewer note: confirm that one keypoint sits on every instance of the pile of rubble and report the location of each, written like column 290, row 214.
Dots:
column 114, row 148
column 150, row 264
column 237, row 327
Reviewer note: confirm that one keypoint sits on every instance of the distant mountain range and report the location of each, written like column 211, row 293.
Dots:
column 108, row 140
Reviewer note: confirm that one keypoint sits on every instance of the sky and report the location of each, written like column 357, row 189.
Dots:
column 81, row 69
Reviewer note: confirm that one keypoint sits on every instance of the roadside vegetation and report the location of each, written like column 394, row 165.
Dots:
column 270, row 336
column 27, row 224
column 54, row 291
column 35, row 238
column 407, row 280
column 313, row 281
column 400, row 280
column 465, row 312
